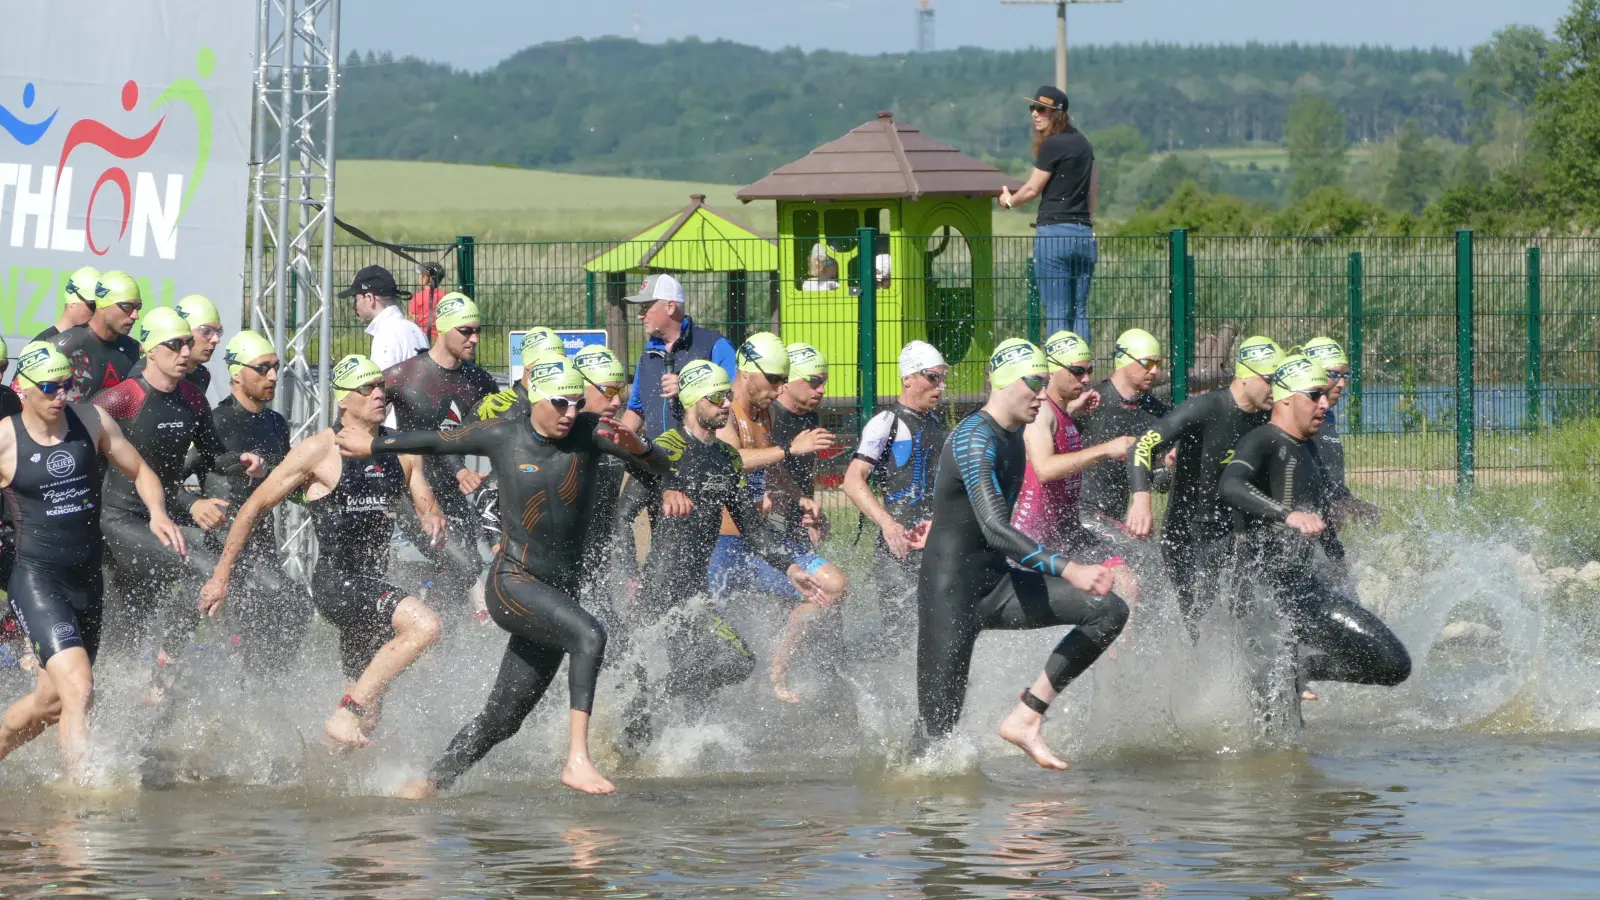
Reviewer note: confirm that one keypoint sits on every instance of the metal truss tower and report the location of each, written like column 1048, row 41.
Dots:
column 291, row 220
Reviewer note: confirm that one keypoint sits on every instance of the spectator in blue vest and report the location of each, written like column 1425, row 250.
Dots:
column 674, row 341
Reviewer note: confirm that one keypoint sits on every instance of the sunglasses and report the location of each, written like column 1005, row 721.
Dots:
column 718, row 398
column 210, row 332
column 468, row 330
column 129, row 307
column 364, row 390
column 1041, row 109
column 1081, row 371
column 934, row 378
column 817, row 382
column 1338, row 376
column 177, row 345
column 607, row 391
column 52, row 388
column 1035, row 383
column 562, row 404
column 264, row 369
column 1315, row 395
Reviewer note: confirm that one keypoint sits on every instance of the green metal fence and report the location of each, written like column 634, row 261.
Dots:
column 1473, row 357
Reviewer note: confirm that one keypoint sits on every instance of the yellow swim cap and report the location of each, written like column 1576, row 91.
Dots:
column 245, row 347
column 763, row 353
column 805, row 361
column 540, row 345
column 1326, row 351
column 41, row 361
column 197, row 310
column 1133, row 345
column 554, row 378
column 1297, row 373
column 1257, row 356
column 1015, row 358
column 160, row 324
column 115, row 286
column 352, row 372
column 456, row 309
column 598, row 364
column 699, row 380
column 80, row 286
column 1064, row 349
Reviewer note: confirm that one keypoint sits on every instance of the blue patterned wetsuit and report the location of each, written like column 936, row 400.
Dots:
column 968, row 582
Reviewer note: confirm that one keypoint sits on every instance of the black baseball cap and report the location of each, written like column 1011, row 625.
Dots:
column 374, row 280
column 1050, row 97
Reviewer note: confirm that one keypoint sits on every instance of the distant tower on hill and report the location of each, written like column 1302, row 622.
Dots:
column 924, row 26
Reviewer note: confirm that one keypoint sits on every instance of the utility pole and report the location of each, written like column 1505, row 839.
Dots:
column 1061, row 29
column 925, row 26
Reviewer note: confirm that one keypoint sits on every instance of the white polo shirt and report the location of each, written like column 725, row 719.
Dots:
column 395, row 338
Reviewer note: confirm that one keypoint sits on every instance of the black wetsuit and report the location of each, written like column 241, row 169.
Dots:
column 426, row 396
column 55, row 586
column 801, row 471
column 1105, row 484
column 96, row 365
column 1272, row 475
column 47, row 334
column 969, row 584
column 1194, row 536
column 271, row 625
column 10, row 405
column 545, row 493
column 162, row 425
column 353, row 523
column 707, row 654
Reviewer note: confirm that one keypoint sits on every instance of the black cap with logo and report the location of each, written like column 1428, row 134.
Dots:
column 1049, row 97
column 374, row 280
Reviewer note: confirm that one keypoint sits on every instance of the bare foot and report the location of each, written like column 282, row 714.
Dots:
column 1307, row 695
column 1025, row 728
column 785, row 693
column 581, row 775
column 344, row 730
column 417, row 789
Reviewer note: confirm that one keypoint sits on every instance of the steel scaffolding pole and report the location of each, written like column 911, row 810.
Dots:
column 292, row 207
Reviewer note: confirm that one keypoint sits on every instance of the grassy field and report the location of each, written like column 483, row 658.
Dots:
column 1265, row 156
column 424, row 202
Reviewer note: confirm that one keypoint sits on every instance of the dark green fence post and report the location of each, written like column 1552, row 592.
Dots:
column 1353, row 276
column 1035, row 308
column 1191, row 316
column 1465, row 424
column 588, row 296
column 1535, row 335
column 867, row 349
column 1179, row 282
column 466, row 275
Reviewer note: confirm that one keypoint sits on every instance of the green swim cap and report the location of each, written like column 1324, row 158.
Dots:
column 599, row 365
column 1015, row 358
column 245, row 347
column 1295, row 374
column 1257, row 356
column 352, row 372
column 1326, row 351
column 160, row 324
column 1133, row 345
column 805, row 361
column 80, row 286
column 456, row 309
column 41, row 361
column 554, row 378
column 540, row 344
column 764, row 354
column 197, row 310
column 700, row 379
column 1066, row 349
column 115, row 286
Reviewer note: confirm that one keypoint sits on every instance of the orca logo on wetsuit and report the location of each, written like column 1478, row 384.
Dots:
column 64, row 631
column 60, row 464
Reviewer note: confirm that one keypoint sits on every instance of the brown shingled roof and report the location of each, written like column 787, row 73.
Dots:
column 880, row 159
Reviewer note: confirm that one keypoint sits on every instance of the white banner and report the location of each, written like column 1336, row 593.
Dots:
column 124, row 144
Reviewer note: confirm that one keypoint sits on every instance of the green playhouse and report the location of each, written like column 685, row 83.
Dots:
column 931, row 205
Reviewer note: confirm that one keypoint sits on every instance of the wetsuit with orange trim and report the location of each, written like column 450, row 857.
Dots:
column 546, row 489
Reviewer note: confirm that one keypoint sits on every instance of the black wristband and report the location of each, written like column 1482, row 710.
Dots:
column 787, row 454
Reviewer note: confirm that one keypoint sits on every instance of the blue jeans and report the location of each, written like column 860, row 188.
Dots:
column 1063, row 263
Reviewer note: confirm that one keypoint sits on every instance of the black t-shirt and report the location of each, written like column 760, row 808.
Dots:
column 1069, row 159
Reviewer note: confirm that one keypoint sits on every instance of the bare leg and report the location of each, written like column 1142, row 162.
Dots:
column 579, row 772
column 832, row 584
column 27, row 718
column 416, row 628
column 1025, row 728
column 73, row 682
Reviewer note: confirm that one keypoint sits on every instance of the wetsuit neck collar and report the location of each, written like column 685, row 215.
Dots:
column 144, row 379
column 244, row 402
column 438, row 347
column 984, row 411
column 108, row 341
column 1289, row 434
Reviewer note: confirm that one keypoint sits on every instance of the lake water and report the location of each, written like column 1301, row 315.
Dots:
column 1475, row 779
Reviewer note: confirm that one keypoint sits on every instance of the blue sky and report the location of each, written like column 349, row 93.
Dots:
column 475, row 34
